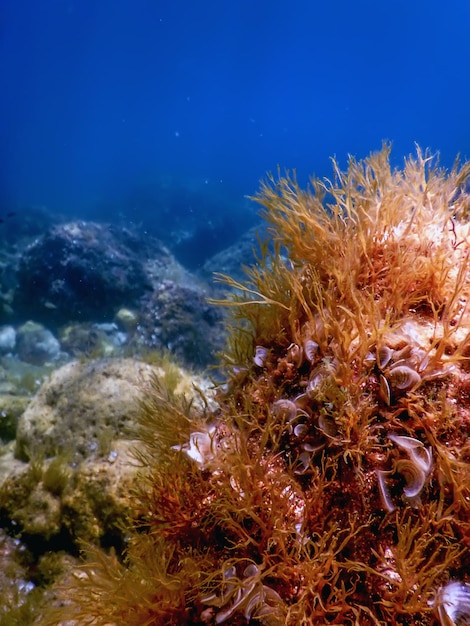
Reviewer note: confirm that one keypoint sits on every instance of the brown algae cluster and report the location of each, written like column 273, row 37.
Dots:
column 331, row 484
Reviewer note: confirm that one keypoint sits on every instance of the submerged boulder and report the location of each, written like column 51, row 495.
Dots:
column 70, row 477
column 82, row 407
column 180, row 319
column 36, row 344
column 80, row 271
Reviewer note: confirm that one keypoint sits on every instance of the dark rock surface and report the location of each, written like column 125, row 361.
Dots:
column 80, row 271
column 179, row 319
column 230, row 260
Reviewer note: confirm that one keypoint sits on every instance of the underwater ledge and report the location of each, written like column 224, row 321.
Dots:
column 330, row 482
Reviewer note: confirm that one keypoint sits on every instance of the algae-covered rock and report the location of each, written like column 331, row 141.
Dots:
column 7, row 339
column 126, row 319
column 14, row 584
column 179, row 318
column 27, row 506
column 82, row 403
column 96, row 506
column 81, row 339
column 36, row 344
column 60, row 504
column 76, row 460
column 9, row 465
column 11, row 408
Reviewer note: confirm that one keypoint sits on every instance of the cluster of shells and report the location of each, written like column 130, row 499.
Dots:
column 306, row 422
column 403, row 369
column 308, row 419
column 245, row 594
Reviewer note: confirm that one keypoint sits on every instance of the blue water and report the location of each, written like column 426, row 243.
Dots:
column 104, row 104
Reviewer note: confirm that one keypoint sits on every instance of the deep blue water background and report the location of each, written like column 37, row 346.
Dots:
column 104, row 104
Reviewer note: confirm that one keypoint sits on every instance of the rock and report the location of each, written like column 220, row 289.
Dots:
column 11, row 408
column 36, row 344
column 7, row 339
column 9, row 465
column 81, row 339
column 80, row 407
column 97, row 504
column 19, row 378
column 75, row 463
column 241, row 253
column 126, row 319
column 56, row 501
column 80, row 271
column 85, row 405
column 38, row 515
column 179, row 319
column 14, row 583
column 92, row 340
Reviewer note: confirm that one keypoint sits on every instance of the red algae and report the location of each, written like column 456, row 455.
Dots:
column 331, row 485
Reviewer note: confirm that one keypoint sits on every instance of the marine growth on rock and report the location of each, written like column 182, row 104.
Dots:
column 331, row 484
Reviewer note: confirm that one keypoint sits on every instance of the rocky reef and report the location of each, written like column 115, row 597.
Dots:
column 331, row 483
column 97, row 290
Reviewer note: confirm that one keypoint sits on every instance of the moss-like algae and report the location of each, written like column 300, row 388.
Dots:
column 332, row 484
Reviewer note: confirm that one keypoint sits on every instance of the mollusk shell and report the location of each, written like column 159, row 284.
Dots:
column 452, row 602
column 261, row 354
column 403, row 377
column 310, row 350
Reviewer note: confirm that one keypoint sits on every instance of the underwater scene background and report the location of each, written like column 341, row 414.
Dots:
column 148, row 111
column 226, row 401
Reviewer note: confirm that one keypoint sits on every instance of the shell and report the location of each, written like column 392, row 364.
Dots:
column 200, row 447
column 416, row 450
column 383, row 490
column 423, row 458
column 326, row 369
column 261, row 354
column 403, row 377
column 414, row 476
column 302, row 463
column 327, row 425
column 266, row 604
column 284, row 409
column 405, row 443
column 370, row 359
column 452, row 602
column 384, row 389
column 420, row 359
column 295, row 354
column 310, row 447
column 300, row 430
column 251, row 570
column 384, row 356
column 310, row 350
